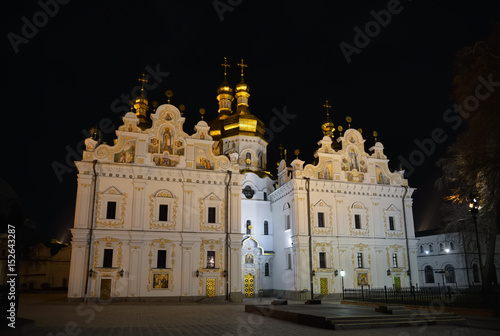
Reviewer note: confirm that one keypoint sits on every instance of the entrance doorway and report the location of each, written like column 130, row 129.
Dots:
column 397, row 283
column 210, row 287
column 249, row 286
column 323, row 284
column 105, row 289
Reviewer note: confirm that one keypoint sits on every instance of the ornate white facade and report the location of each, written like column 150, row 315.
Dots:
column 162, row 214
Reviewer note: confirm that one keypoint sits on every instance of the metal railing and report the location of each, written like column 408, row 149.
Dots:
column 443, row 296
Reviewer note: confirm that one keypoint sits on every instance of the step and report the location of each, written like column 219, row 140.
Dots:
column 391, row 324
column 279, row 302
column 364, row 324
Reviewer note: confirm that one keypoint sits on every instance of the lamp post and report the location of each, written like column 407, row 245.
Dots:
column 342, row 274
column 474, row 208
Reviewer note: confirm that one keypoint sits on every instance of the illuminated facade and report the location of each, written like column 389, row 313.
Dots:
column 162, row 214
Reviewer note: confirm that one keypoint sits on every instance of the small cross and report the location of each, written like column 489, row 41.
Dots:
column 327, row 106
column 225, row 65
column 281, row 151
column 242, row 65
column 143, row 80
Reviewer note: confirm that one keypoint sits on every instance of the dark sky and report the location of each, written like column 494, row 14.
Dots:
column 71, row 73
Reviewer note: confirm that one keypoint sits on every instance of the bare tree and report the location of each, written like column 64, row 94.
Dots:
column 472, row 166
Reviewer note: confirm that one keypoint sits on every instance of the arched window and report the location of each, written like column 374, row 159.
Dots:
column 475, row 274
column 449, row 273
column 249, row 227
column 421, row 249
column 441, row 247
column 266, row 228
column 429, row 274
column 452, row 246
column 266, row 269
column 431, row 248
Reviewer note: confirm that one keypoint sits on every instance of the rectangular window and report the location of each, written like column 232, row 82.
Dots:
column 287, row 222
column 211, row 215
column 357, row 221
column 107, row 260
column 360, row 260
column 162, row 259
column 210, row 259
column 289, row 261
column 322, row 260
column 321, row 219
column 163, row 213
column 266, row 228
column 391, row 223
column 266, row 269
column 395, row 260
column 111, row 210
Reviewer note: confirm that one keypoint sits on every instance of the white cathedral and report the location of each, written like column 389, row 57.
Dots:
column 167, row 215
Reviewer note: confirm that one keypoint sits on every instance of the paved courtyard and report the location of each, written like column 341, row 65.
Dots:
column 53, row 315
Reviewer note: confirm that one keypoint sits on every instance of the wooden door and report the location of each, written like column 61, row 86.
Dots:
column 323, row 284
column 210, row 287
column 105, row 289
column 249, row 286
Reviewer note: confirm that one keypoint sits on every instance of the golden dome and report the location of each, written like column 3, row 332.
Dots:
column 328, row 128
column 242, row 86
column 225, row 88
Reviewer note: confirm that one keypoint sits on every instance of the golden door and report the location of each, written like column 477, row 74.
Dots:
column 323, row 284
column 249, row 288
column 210, row 287
column 105, row 289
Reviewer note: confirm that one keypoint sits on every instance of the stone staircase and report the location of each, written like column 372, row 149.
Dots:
column 394, row 316
column 213, row 300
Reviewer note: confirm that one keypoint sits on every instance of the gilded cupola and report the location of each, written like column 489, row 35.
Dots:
column 141, row 106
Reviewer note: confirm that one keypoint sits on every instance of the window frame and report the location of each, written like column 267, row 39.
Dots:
column 321, row 219
column 395, row 260
column 164, row 258
column 211, row 264
column 111, row 214
column 212, row 215
column 359, row 259
column 429, row 274
column 107, row 258
column 163, row 217
column 322, row 260
column 357, row 222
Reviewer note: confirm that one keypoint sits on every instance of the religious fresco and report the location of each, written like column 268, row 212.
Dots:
column 167, row 141
column 249, row 259
column 160, row 281
column 165, row 161
column 127, row 154
column 202, row 160
column 327, row 172
column 154, row 145
column 362, row 279
column 354, row 176
column 363, row 168
column 381, row 177
column 353, row 160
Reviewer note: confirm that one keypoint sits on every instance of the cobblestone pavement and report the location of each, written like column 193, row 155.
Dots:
column 55, row 317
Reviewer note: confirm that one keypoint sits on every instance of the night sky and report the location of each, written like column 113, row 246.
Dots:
column 76, row 69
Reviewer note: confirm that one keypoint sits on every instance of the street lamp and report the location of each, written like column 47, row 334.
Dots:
column 342, row 274
column 474, row 208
